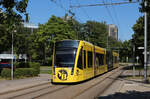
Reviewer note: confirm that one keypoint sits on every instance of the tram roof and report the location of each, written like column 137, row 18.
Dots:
column 94, row 45
column 85, row 42
column 68, row 40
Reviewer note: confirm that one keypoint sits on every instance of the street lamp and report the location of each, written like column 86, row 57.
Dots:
column 12, row 50
column 145, row 44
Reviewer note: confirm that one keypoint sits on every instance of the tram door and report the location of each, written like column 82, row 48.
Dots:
column 96, row 65
column 84, row 62
column 79, row 71
column 95, row 60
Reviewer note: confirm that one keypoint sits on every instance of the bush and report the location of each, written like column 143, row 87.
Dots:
column 0, row 70
column 22, row 70
column 25, row 72
column 6, row 73
column 35, row 66
column 16, row 64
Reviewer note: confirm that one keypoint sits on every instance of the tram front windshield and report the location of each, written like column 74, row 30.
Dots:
column 65, row 57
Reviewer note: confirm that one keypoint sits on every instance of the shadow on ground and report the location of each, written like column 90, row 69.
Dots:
column 137, row 67
column 138, row 75
column 128, row 95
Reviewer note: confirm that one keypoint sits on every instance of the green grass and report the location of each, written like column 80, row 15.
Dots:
column 1, row 78
column 45, row 66
column 138, row 78
column 45, row 70
column 135, row 77
column 124, row 64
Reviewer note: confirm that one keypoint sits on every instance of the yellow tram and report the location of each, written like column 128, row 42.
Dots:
column 77, row 61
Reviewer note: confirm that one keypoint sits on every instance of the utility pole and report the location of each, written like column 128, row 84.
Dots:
column 12, row 50
column 133, row 57
column 145, row 44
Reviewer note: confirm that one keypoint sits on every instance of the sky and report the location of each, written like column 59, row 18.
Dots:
column 123, row 16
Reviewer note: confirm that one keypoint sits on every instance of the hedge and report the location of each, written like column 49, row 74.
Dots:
column 32, row 69
column 35, row 66
column 28, row 65
column 25, row 72
column 6, row 73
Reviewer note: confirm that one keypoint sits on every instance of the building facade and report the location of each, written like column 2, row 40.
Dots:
column 113, row 31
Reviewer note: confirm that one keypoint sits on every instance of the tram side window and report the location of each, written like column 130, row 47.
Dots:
column 84, row 58
column 80, row 60
column 116, row 59
column 89, row 59
column 113, row 59
column 100, row 58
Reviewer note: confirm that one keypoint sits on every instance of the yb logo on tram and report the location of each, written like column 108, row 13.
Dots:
column 62, row 75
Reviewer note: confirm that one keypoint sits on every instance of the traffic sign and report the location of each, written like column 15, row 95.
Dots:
column 147, row 53
column 140, row 47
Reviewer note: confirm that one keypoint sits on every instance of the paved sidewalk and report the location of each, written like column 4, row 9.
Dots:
column 127, row 88
column 134, row 86
column 13, row 85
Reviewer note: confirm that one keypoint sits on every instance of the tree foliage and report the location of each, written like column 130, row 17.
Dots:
column 138, row 37
column 138, row 28
column 97, row 33
column 11, row 12
column 38, row 44
column 144, row 8
column 126, row 50
column 55, row 29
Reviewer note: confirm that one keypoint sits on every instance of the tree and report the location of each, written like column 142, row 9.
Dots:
column 23, row 40
column 126, row 50
column 143, row 8
column 96, row 33
column 11, row 12
column 138, row 37
column 138, row 29
column 55, row 29
column 4, row 38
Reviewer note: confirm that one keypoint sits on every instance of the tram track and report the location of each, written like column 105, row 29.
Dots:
column 64, row 91
column 100, row 83
column 27, row 91
column 75, row 91
column 33, row 91
column 50, row 92
column 39, row 93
